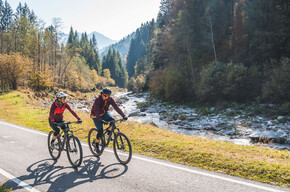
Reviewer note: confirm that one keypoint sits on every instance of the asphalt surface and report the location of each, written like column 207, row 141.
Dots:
column 25, row 165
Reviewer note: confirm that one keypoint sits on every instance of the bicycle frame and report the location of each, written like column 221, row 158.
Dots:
column 113, row 125
column 64, row 133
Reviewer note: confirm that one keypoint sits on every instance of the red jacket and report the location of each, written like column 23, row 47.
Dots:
column 57, row 110
column 102, row 106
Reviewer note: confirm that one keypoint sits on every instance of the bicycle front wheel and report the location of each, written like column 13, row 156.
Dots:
column 122, row 148
column 74, row 151
column 55, row 147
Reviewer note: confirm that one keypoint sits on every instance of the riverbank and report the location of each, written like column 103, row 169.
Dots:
column 252, row 162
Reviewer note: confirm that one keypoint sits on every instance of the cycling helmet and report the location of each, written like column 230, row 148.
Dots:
column 61, row 95
column 107, row 91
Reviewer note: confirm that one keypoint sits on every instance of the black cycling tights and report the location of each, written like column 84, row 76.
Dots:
column 100, row 134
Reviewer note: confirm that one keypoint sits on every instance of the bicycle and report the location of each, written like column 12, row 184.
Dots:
column 73, row 146
column 121, row 143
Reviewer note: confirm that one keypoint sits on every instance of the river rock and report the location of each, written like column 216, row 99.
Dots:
column 136, row 113
column 269, row 136
column 143, row 109
column 188, row 128
column 230, row 132
column 182, row 117
column 151, row 110
column 192, row 118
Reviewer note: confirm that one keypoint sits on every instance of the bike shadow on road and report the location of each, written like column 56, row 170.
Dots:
column 54, row 177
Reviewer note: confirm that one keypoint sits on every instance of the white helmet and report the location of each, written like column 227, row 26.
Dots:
column 61, row 94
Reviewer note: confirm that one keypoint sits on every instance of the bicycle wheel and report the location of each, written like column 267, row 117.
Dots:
column 92, row 143
column 122, row 148
column 74, row 151
column 55, row 149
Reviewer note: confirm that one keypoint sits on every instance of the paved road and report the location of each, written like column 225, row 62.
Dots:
column 25, row 165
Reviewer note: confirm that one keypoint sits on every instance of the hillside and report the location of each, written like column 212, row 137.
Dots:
column 122, row 47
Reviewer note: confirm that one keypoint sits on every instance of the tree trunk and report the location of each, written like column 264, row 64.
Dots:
column 212, row 39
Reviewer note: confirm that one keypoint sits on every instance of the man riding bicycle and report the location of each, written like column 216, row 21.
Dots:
column 56, row 113
column 100, row 114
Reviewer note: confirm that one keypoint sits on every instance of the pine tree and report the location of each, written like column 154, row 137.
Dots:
column 137, row 47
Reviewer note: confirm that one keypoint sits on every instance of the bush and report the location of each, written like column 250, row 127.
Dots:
column 277, row 88
column 236, row 82
column 13, row 69
column 156, row 84
column 39, row 81
column 212, row 85
column 137, row 84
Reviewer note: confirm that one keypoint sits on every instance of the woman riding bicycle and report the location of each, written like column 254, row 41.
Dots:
column 99, row 112
column 56, row 113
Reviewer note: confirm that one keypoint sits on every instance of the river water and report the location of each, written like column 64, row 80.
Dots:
column 181, row 119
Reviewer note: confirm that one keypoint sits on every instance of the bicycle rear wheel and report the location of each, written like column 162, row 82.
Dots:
column 122, row 148
column 74, row 151
column 55, row 149
column 96, row 150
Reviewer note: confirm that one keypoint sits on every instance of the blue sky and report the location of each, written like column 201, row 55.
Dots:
column 113, row 18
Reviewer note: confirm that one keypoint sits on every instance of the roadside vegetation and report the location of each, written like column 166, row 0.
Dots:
column 4, row 189
column 251, row 162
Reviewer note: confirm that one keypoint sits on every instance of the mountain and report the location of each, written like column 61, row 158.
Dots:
column 102, row 40
column 122, row 47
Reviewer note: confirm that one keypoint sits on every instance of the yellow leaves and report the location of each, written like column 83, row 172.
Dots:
column 39, row 81
column 13, row 69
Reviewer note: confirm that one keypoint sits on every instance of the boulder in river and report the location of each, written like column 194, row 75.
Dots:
column 269, row 137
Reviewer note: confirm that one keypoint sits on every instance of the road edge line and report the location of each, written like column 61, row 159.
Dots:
column 18, row 181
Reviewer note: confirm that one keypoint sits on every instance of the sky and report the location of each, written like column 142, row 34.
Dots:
column 112, row 18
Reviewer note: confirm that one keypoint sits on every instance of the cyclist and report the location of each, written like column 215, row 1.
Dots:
column 56, row 113
column 99, row 112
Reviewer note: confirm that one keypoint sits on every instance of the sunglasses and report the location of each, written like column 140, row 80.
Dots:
column 63, row 98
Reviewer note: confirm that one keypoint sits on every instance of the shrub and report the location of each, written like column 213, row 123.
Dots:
column 277, row 87
column 39, row 81
column 137, row 84
column 13, row 69
column 156, row 84
column 235, row 82
column 212, row 83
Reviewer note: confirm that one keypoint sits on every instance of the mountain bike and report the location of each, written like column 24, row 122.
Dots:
column 121, row 144
column 73, row 146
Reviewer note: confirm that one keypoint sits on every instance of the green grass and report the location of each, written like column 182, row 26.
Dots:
column 252, row 162
column 4, row 189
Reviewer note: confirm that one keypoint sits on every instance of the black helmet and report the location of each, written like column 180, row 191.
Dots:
column 107, row 91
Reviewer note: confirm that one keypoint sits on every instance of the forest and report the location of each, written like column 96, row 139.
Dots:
column 211, row 51
column 196, row 51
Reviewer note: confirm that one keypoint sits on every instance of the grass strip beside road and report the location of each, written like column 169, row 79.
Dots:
column 251, row 162
column 4, row 189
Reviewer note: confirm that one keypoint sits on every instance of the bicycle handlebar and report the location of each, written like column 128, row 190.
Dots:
column 114, row 121
column 67, row 123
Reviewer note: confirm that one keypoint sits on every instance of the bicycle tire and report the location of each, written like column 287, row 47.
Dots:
column 91, row 137
column 55, row 150
column 122, row 148
column 74, row 148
